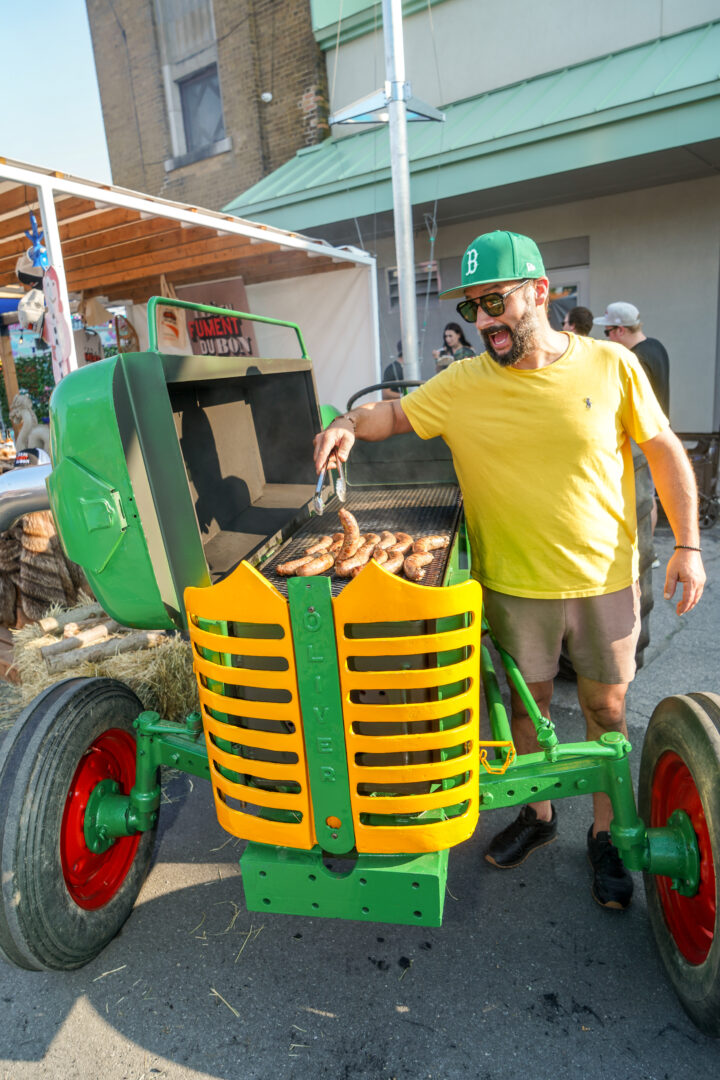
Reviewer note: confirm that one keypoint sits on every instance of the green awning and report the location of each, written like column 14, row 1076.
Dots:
column 654, row 97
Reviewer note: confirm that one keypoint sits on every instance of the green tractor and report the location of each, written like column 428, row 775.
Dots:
column 339, row 719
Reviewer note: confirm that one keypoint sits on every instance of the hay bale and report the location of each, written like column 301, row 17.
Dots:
column 162, row 676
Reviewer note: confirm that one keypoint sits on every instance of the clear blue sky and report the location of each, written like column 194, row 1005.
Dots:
column 47, row 62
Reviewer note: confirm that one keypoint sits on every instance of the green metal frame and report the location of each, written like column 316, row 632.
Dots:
column 190, row 306
column 406, row 889
column 177, row 746
column 561, row 770
column 332, row 880
column 313, row 628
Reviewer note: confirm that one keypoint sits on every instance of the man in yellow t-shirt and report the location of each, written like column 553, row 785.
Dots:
column 539, row 427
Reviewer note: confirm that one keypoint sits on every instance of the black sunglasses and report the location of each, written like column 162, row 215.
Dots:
column 492, row 303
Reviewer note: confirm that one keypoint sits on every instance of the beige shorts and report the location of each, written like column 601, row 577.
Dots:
column 600, row 633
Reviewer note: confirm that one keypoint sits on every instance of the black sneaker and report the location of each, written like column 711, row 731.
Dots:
column 612, row 885
column 527, row 832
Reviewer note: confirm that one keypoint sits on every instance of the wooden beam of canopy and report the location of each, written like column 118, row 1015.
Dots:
column 117, row 244
column 206, row 256
column 14, row 226
column 138, row 292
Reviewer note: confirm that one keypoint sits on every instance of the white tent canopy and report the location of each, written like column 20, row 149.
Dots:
column 124, row 247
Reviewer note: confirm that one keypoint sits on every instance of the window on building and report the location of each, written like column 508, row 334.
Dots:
column 202, row 109
column 189, row 55
column 427, row 283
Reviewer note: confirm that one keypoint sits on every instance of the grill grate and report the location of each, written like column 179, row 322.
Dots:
column 418, row 510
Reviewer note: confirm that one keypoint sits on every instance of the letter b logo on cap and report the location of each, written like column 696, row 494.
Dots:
column 472, row 262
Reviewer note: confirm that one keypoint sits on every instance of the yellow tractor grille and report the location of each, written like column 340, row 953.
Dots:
column 409, row 670
column 245, row 667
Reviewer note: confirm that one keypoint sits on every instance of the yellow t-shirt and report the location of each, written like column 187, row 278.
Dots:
column 545, row 465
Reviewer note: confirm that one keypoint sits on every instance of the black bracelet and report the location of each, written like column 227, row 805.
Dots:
column 685, row 547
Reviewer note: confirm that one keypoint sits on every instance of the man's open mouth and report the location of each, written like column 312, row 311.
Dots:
column 500, row 339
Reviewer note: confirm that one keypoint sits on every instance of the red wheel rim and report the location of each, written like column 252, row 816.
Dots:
column 93, row 879
column 690, row 919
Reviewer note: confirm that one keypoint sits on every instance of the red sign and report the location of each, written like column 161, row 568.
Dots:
column 218, row 335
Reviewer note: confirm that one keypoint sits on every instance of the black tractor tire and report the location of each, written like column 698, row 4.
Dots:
column 646, row 550
column 53, row 915
column 680, row 770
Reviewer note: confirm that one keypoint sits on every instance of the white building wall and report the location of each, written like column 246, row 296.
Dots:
column 337, row 318
column 461, row 48
column 658, row 248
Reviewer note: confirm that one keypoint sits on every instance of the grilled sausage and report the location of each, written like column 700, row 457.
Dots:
column 323, row 544
column 429, row 543
column 352, row 550
column 394, row 562
column 287, row 569
column 335, row 546
column 315, row 566
column 338, row 536
column 377, row 554
column 403, row 543
column 352, row 534
column 371, row 538
column 345, row 567
column 387, row 540
column 415, row 565
column 358, row 569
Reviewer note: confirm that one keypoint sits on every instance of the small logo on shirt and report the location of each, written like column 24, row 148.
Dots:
column 588, row 403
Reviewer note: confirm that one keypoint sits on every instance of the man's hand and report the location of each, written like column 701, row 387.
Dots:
column 675, row 482
column 373, row 422
column 336, row 440
column 685, row 567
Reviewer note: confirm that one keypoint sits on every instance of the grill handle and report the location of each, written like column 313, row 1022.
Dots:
column 388, row 384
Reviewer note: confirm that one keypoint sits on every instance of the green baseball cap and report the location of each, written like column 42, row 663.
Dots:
column 498, row 256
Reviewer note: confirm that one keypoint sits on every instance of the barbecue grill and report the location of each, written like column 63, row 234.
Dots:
column 194, row 475
column 339, row 721
column 420, row 510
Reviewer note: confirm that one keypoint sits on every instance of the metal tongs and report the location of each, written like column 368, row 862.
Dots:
column 340, row 485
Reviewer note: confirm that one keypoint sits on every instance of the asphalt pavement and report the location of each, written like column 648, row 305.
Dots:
column 527, row 977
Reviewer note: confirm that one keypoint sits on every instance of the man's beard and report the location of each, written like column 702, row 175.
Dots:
column 522, row 337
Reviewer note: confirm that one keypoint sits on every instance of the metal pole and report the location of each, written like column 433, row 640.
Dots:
column 46, row 202
column 400, row 165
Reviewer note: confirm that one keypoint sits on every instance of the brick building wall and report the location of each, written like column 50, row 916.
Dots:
column 264, row 46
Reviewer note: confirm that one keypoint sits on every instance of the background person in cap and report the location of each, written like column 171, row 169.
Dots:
column 622, row 325
column 579, row 320
column 539, row 427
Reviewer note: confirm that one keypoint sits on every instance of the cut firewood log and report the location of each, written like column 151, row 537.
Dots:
column 139, row 639
column 70, row 629
column 53, row 623
column 100, row 632
column 9, row 571
column 44, row 577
